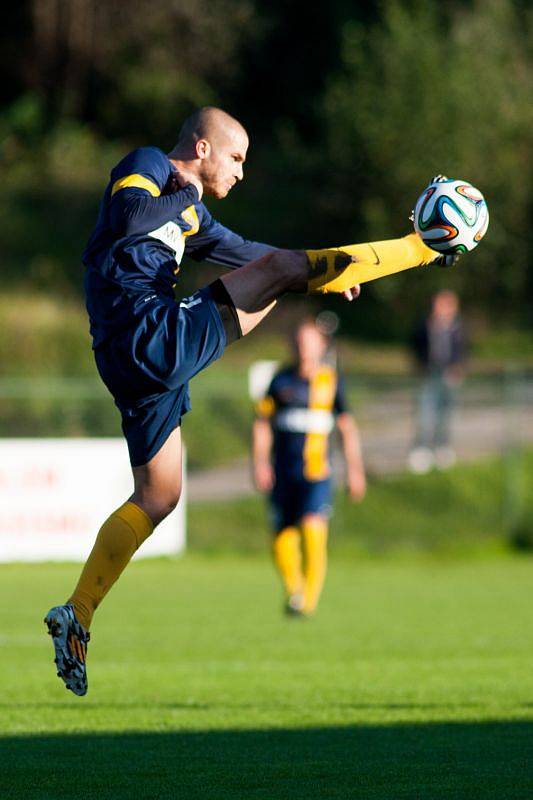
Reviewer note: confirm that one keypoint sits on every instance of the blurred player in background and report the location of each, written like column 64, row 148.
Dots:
column 291, row 462
column 439, row 347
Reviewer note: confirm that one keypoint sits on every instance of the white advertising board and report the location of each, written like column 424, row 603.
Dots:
column 56, row 493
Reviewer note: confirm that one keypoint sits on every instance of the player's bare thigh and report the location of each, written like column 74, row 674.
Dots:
column 158, row 483
column 255, row 287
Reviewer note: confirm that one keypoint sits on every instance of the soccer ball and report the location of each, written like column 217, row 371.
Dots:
column 451, row 216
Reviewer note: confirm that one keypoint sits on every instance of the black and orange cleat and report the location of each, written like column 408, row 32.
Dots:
column 70, row 644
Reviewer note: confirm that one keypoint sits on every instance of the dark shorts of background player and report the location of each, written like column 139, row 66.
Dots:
column 147, row 367
column 292, row 499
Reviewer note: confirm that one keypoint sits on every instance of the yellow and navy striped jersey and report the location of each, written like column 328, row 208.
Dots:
column 145, row 225
column 302, row 414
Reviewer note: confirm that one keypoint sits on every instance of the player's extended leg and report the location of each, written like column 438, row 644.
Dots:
column 339, row 268
column 315, row 538
column 255, row 287
column 288, row 559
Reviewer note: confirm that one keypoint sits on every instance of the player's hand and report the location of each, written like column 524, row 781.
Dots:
column 356, row 485
column 263, row 477
column 182, row 177
column 353, row 293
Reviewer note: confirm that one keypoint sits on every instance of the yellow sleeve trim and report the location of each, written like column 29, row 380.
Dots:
column 138, row 182
column 265, row 407
column 191, row 218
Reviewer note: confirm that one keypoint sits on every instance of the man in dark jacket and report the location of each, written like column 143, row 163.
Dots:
column 439, row 347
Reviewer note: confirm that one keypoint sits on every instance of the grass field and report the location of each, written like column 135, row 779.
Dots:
column 413, row 681
column 471, row 508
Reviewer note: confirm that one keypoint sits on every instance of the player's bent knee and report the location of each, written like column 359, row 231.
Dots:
column 158, row 504
column 167, row 502
column 168, row 506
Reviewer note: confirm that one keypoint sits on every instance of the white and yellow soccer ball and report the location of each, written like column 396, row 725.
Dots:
column 451, row 216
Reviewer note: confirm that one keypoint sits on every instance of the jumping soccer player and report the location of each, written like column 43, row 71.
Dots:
column 147, row 346
column 291, row 462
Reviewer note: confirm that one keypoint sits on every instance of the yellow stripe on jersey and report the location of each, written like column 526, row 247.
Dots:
column 322, row 389
column 265, row 407
column 136, row 182
column 191, row 218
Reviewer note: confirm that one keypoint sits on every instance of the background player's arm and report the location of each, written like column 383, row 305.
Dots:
column 262, row 441
column 220, row 245
column 351, row 447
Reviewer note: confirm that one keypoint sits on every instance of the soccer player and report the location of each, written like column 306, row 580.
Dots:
column 147, row 346
column 291, row 461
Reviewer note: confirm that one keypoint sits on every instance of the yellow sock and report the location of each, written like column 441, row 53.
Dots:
column 315, row 539
column 288, row 559
column 339, row 268
column 118, row 539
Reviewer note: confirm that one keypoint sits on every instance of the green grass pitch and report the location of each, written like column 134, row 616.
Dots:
column 414, row 680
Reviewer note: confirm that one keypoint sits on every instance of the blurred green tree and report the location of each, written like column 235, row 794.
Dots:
column 135, row 70
column 435, row 89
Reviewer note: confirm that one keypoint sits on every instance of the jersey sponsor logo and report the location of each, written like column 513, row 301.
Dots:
column 304, row 420
column 173, row 236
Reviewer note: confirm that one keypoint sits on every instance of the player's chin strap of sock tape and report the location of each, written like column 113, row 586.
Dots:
column 227, row 311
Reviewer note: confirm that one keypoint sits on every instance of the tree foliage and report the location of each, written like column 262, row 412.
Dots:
column 350, row 113
column 430, row 91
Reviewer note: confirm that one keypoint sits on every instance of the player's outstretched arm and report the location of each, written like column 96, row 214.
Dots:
column 218, row 244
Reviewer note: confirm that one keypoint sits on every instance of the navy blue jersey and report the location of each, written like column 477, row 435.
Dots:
column 302, row 415
column 143, row 229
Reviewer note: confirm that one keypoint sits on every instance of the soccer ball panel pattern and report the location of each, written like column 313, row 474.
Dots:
column 451, row 216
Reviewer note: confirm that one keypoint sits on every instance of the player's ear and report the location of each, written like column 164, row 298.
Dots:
column 203, row 148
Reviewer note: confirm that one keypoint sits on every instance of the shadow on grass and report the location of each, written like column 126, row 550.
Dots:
column 426, row 762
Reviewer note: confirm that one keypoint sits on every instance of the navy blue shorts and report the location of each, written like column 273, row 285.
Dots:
column 293, row 499
column 147, row 367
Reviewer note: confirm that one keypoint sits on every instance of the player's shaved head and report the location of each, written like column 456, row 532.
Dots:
column 210, row 123
column 212, row 146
